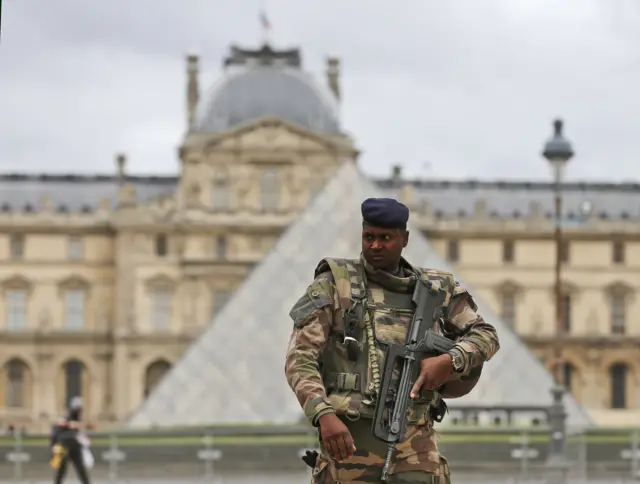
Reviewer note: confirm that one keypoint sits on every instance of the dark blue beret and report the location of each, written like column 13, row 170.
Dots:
column 385, row 212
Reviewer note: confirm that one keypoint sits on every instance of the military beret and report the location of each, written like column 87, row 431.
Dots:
column 385, row 212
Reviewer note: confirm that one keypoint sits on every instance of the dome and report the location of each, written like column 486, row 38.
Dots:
column 266, row 87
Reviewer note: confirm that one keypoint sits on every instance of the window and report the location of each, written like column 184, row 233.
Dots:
column 508, row 251
column 618, row 252
column 565, row 312
column 15, row 394
column 220, row 298
column 17, row 246
column 161, row 245
column 74, row 309
column 16, row 310
column 618, row 376
column 565, row 251
column 509, row 308
column 154, row 374
column 221, row 195
column 270, row 189
column 73, row 371
column 618, row 314
column 453, row 251
column 162, row 308
column 221, row 247
column 75, row 248
column 568, row 371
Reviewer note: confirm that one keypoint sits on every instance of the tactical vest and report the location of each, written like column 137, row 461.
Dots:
column 353, row 386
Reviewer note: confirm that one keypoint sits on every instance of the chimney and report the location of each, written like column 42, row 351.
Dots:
column 333, row 76
column 396, row 172
column 192, row 88
column 121, row 164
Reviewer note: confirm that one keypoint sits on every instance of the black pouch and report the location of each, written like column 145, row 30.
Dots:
column 438, row 412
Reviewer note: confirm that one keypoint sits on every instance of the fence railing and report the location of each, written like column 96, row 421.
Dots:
column 504, row 453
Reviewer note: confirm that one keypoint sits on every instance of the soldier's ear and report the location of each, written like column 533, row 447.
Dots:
column 405, row 239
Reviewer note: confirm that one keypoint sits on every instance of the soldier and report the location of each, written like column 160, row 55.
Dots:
column 336, row 351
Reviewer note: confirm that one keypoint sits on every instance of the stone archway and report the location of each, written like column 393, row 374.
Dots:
column 154, row 373
column 73, row 381
column 16, row 384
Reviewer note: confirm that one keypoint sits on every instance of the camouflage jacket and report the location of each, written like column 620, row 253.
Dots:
column 317, row 313
column 313, row 356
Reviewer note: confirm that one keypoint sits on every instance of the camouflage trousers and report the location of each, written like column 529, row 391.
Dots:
column 417, row 459
column 330, row 472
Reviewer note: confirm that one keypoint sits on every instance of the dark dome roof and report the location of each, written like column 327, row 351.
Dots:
column 267, row 86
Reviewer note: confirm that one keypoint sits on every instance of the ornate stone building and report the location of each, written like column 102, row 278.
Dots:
column 106, row 279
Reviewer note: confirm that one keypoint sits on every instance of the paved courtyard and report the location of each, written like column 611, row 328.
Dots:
column 289, row 478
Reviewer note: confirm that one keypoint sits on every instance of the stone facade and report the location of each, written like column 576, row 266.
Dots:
column 510, row 265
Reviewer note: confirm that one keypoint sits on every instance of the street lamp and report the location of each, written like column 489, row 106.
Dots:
column 558, row 152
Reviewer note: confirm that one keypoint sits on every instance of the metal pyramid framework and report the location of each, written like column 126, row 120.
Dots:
column 234, row 372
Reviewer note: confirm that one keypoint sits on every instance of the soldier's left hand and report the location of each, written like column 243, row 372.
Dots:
column 434, row 372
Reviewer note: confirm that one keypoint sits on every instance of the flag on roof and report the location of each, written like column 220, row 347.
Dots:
column 264, row 21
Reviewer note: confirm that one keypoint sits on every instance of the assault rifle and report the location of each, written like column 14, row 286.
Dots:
column 390, row 423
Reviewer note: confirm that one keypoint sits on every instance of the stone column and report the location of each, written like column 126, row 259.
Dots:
column 45, row 401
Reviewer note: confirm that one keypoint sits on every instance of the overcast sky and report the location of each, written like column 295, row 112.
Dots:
column 464, row 88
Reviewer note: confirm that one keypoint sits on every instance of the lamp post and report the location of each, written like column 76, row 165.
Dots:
column 558, row 152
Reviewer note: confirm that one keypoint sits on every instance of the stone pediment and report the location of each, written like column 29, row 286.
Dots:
column 160, row 281
column 271, row 135
column 16, row 282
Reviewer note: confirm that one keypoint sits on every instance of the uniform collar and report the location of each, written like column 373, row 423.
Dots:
column 401, row 281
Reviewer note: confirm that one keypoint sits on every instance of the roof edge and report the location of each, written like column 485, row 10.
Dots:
column 85, row 178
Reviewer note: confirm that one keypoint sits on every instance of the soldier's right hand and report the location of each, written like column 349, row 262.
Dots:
column 336, row 437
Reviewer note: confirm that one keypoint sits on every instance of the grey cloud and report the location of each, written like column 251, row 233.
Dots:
column 471, row 87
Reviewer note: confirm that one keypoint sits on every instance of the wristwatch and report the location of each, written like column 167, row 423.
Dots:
column 456, row 360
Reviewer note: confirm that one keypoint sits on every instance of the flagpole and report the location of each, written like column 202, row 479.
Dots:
column 266, row 25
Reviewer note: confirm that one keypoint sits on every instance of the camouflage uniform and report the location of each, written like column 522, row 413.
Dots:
column 325, row 381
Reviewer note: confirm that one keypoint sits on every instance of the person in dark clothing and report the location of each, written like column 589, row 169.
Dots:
column 64, row 439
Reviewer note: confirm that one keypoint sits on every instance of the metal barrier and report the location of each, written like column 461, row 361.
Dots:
column 476, row 456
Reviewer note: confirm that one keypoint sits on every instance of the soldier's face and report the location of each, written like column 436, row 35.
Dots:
column 382, row 248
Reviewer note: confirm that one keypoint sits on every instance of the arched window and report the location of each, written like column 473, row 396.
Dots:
column 73, row 373
column 154, row 373
column 16, row 372
column 618, row 374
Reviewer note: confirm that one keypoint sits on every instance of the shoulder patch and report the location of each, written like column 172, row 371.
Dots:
column 318, row 295
column 315, row 298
